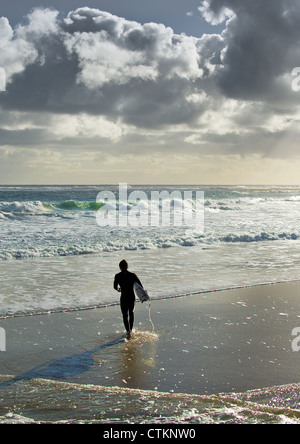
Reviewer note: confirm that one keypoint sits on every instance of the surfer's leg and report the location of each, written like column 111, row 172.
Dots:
column 124, row 309
column 131, row 315
column 131, row 320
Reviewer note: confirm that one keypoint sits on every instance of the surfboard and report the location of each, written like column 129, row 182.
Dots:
column 140, row 292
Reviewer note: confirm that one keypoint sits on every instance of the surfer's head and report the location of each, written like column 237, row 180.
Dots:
column 123, row 265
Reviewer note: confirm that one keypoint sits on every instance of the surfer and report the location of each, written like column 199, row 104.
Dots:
column 124, row 284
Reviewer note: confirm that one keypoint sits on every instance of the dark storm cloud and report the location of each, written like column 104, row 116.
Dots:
column 262, row 44
column 98, row 63
column 90, row 61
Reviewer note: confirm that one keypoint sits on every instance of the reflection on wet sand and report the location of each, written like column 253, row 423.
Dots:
column 138, row 357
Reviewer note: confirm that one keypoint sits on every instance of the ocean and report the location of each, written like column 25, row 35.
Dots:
column 54, row 256
column 51, row 244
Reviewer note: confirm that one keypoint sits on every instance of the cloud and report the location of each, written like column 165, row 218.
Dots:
column 262, row 45
column 94, row 79
column 15, row 54
column 215, row 12
column 95, row 62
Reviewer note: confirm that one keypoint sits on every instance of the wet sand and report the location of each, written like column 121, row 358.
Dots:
column 224, row 341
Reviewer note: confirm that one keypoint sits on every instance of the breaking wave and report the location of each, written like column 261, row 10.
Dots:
column 94, row 245
column 36, row 207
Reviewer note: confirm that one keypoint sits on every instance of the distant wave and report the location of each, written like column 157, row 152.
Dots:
column 22, row 207
column 211, row 205
column 37, row 207
column 76, row 205
column 294, row 199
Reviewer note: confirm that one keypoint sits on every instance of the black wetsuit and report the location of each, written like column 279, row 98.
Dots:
column 125, row 279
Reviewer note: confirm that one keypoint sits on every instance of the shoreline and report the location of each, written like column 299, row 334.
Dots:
column 163, row 298
column 225, row 341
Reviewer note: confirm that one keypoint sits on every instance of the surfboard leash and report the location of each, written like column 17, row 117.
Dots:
column 150, row 315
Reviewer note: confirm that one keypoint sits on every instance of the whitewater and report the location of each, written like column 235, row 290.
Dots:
column 55, row 256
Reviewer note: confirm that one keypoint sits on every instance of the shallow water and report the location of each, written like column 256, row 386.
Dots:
column 195, row 367
column 53, row 401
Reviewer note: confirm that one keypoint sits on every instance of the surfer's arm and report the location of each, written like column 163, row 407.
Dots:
column 116, row 284
column 138, row 281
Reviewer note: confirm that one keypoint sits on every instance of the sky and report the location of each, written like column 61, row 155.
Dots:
column 160, row 92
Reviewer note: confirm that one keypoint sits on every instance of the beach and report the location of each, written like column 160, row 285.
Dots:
column 216, row 343
column 209, row 357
